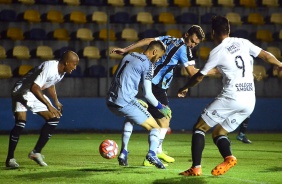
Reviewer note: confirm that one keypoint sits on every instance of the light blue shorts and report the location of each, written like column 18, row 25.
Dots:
column 133, row 112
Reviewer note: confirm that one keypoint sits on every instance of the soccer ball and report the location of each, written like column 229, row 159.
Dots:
column 108, row 149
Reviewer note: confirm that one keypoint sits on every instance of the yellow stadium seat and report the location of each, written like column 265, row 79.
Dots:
column 248, row 3
column 61, row 34
column 280, row 35
column 166, row 18
column 72, row 2
column 23, row 69
column 259, row 72
column 116, row 2
column 44, row 52
column 103, row 34
column 32, row 16
column 234, row 18
column 15, row 33
column 2, row 53
column 182, row 3
column 138, row 49
column 226, row 3
column 27, row 1
column 174, row 33
column 275, row 51
column 276, row 18
column 204, row 52
column 6, row 1
column 270, row 3
column 55, row 16
column 91, row 52
column 141, row 3
column 205, row 3
column 100, row 17
column 5, row 71
column 21, row 52
column 256, row 19
column 144, row 18
column 113, row 69
column 78, row 17
column 84, row 34
column 129, row 34
column 264, row 35
column 162, row 3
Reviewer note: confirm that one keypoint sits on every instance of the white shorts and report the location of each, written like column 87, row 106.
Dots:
column 227, row 112
column 133, row 112
column 28, row 101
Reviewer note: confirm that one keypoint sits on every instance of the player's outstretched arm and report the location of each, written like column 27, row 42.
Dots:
column 270, row 58
column 138, row 44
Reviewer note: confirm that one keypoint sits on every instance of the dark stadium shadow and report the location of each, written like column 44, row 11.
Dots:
column 192, row 180
column 273, row 169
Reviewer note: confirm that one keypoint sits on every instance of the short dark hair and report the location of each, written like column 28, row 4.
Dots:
column 157, row 43
column 220, row 25
column 195, row 29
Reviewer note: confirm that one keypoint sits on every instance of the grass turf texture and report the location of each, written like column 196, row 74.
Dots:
column 75, row 158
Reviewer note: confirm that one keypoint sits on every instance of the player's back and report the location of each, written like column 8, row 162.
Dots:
column 131, row 70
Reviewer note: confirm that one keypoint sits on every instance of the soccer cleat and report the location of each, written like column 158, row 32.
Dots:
column 165, row 157
column 153, row 159
column 193, row 171
column 222, row 168
column 122, row 160
column 147, row 163
column 11, row 163
column 38, row 158
column 243, row 138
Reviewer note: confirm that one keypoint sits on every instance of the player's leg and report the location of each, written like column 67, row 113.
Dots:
column 197, row 147
column 20, row 121
column 126, row 134
column 242, row 131
column 151, row 125
column 163, row 122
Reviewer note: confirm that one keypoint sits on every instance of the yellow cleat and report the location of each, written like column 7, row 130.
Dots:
column 147, row 163
column 165, row 157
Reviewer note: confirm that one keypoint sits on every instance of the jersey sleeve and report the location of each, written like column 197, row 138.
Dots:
column 184, row 54
column 253, row 49
column 147, row 85
column 42, row 77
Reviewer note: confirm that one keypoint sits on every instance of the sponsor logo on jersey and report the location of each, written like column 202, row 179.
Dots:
column 233, row 48
column 245, row 86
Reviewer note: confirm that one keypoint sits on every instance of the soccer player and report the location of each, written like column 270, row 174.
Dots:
column 178, row 52
column 236, row 100
column 133, row 69
column 27, row 93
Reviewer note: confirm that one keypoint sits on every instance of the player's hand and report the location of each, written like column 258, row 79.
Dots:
column 59, row 106
column 166, row 111
column 119, row 51
column 182, row 93
column 144, row 104
column 54, row 111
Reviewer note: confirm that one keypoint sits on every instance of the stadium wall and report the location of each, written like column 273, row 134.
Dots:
column 89, row 114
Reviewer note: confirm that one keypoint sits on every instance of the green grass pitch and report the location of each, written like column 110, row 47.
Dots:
column 75, row 158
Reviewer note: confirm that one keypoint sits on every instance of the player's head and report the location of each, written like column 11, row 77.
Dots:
column 70, row 60
column 155, row 51
column 220, row 27
column 194, row 36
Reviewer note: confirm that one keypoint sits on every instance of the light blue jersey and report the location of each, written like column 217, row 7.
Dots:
column 176, row 53
column 134, row 68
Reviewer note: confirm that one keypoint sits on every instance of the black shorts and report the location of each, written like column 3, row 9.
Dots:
column 161, row 96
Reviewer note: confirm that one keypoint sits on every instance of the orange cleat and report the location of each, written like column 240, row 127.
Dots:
column 222, row 168
column 193, row 171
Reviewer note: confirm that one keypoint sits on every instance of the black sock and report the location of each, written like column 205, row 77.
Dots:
column 14, row 137
column 223, row 144
column 45, row 135
column 244, row 126
column 198, row 144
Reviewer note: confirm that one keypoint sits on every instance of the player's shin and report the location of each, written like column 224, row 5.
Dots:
column 198, row 144
column 154, row 139
column 223, row 144
column 127, row 131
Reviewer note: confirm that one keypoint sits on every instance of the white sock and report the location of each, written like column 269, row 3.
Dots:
column 127, row 131
column 162, row 136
